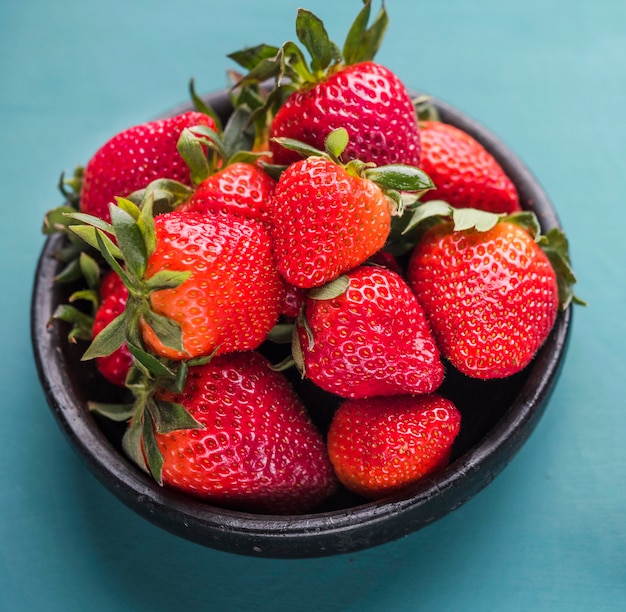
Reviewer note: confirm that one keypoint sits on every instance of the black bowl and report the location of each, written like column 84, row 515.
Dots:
column 498, row 417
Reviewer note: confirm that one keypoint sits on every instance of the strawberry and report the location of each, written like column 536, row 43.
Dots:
column 327, row 218
column 465, row 174
column 338, row 89
column 365, row 335
column 199, row 284
column 242, row 188
column 489, row 290
column 134, row 158
column 379, row 446
column 257, row 449
column 113, row 367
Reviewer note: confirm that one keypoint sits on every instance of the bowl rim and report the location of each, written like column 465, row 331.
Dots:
column 314, row 534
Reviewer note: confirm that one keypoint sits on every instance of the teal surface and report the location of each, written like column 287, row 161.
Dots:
column 549, row 533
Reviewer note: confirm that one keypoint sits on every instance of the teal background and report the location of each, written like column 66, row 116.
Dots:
column 549, row 533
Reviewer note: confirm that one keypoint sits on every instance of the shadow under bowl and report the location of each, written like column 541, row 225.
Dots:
column 498, row 417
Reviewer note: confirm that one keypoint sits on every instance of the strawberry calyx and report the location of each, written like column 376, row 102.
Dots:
column 288, row 66
column 395, row 180
column 554, row 243
column 130, row 239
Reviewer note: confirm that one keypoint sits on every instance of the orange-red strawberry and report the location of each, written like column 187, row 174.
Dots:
column 465, row 174
column 113, row 367
column 132, row 159
column 365, row 335
column 337, row 89
column 234, row 293
column 242, row 188
column 491, row 295
column 199, row 284
column 257, row 449
column 380, row 446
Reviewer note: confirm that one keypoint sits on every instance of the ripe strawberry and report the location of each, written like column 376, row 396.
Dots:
column 258, row 449
column 240, row 187
column 199, row 284
column 234, row 293
column 135, row 157
column 490, row 295
column 366, row 335
column 338, row 89
column 113, row 367
column 327, row 218
column 368, row 100
column 379, row 446
column 465, row 174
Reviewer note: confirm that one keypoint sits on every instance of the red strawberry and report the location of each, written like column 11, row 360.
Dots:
column 367, row 99
column 113, row 367
column 135, row 157
column 240, row 187
column 465, row 174
column 258, row 450
column 338, row 89
column 325, row 221
column 379, row 446
column 368, row 339
column 199, row 284
column 234, row 293
column 491, row 296
column 327, row 218
column 111, row 283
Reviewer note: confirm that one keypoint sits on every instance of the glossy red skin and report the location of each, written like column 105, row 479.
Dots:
column 366, row 99
column 379, row 445
column 258, row 451
column 324, row 221
column 491, row 297
column 241, row 188
column 373, row 340
column 465, row 174
column 234, row 294
column 133, row 158
column 113, row 367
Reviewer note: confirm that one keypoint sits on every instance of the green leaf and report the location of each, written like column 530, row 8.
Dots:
column 171, row 416
column 130, row 239
column 336, row 143
column 527, row 220
column 108, row 340
column 131, row 441
column 202, row 107
column 153, row 366
column 472, row 218
column 190, row 148
column 90, row 270
column 427, row 210
column 92, row 220
column 239, row 133
column 555, row 245
column 300, row 147
column 251, row 57
column 167, row 279
column 109, row 249
column 81, row 323
column 331, row 290
column 115, row 412
column 90, row 236
column 400, row 177
column 362, row 43
column 57, row 219
column 312, row 34
column 151, row 448
column 167, row 330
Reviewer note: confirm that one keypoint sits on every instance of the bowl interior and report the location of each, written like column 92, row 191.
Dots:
column 498, row 416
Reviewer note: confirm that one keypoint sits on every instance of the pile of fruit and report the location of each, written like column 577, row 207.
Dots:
column 333, row 227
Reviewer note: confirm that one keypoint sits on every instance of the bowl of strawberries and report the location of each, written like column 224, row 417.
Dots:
column 305, row 316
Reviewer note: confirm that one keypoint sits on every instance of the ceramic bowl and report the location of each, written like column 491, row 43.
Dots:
column 498, row 417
